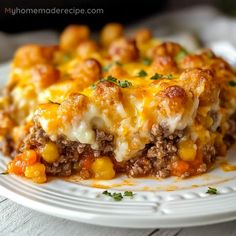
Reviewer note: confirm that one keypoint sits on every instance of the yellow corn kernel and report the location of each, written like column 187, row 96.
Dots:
column 40, row 179
column 187, row 150
column 203, row 136
column 36, row 172
column 50, row 153
column 103, row 168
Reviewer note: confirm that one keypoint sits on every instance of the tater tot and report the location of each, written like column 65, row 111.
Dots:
column 72, row 36
column 45, row 75
column 90, row 70
column 143, row 35
column 111, row 32
column 32, row 54
column 85, row 49
column 165, row 49
column 124, row 50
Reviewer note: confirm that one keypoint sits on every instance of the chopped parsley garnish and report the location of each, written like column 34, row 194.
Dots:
column 160, row 76
column 211, row 190
column 169, row 76
column 118, row 196
column 181, row 54
column 232, row 83
column 121, row 83
column 107, row 193
column 128, row 194
column 108, row 66
column 147, row 61
column 124, row 83
column 111, row 79
column 156, row 76
column 142, row 73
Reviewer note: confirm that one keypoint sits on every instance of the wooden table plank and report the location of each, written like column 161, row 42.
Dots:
column 18, row 220
column 224, row 229
column 167, row 232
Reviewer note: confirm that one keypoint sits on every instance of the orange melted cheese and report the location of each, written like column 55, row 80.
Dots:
column 129, row 117
column 80, row 101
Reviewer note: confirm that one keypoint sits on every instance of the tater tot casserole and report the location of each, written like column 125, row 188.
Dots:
column 116, row 105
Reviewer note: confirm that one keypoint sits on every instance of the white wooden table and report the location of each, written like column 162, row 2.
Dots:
column 21, row 221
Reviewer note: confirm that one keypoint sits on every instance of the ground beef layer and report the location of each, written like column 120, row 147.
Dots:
column 72, row 154
column 157, row 159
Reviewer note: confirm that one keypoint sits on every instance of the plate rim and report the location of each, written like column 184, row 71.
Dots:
column 120, row 221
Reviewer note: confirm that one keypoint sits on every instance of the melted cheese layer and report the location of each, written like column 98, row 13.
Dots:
column 126, row 113
column 172, row 93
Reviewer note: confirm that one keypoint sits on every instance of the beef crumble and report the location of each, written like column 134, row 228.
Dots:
column 72, row 153
column 158, row 155
column 156, row 159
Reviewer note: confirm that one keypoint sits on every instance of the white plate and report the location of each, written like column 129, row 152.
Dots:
column 157, row 203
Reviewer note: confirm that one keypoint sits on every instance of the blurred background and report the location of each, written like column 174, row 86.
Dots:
column 124, row 11
column 195, row 23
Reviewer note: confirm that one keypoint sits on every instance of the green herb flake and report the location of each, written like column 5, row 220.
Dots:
column 147, row 61
column 159, row 76
column 142, row 73
column 211, row 190
column 181, row 55
column 232, row 83
column 124, row 83
column 128, row 194
column 121, row 83
column 117, row 196
column 156, row 76
column 169, row 76
column 107, row 193
column 111, row 79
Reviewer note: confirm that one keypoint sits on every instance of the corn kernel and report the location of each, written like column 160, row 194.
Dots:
column 203, row 136
column 103, row 168
column 40, row 179
column 187, row 150
column 50, row 153
column 36, row 172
